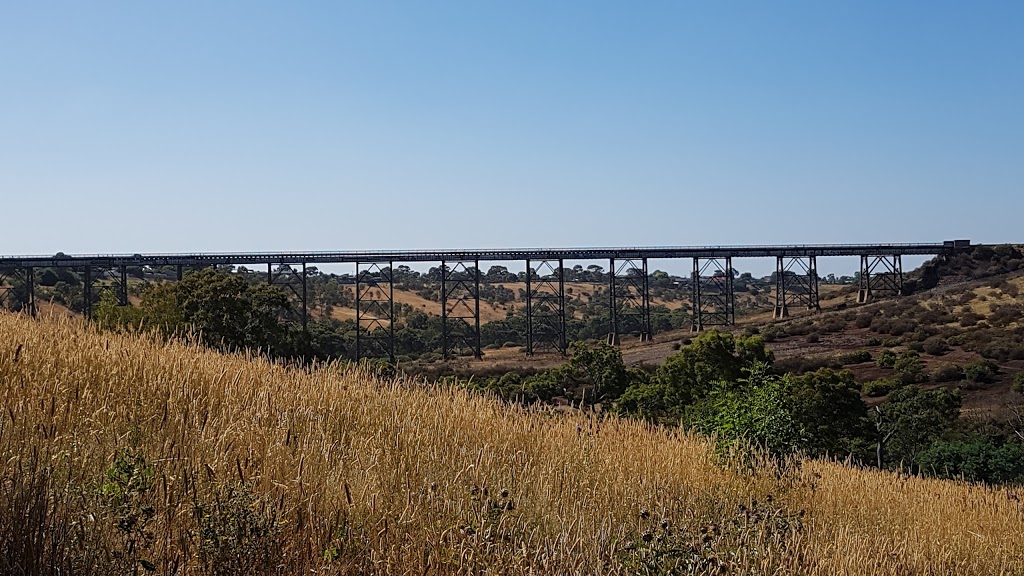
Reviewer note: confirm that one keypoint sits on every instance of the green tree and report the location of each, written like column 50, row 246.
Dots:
column 690, row 374
column 911, row 420
column 232, row 314
column 753, row 409
column 827, row 407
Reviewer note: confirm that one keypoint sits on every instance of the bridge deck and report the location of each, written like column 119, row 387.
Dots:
column 486, row 254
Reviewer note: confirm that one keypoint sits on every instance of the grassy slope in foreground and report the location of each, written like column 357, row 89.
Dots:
column 350, row 474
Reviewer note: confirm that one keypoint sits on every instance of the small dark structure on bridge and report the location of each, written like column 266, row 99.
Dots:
column 713, row 297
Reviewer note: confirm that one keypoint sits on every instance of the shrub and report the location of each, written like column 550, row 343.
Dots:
column 855, row 357
column 863, row 321
column 813, row 338
column 239, row 532
column 772, row 333
column 1018, row 382
column 935, row 346
column 909, row 366
column 873, row 341
column 887, row 359
column 981, row 371
column 947, row 373
column 881, row 387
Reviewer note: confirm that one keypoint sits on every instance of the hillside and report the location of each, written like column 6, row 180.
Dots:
column 119, row 452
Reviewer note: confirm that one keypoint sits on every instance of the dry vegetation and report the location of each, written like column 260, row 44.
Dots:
column 119, row 453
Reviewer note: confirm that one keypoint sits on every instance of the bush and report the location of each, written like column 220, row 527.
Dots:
column 881, row 387
column 909, row 366
column 936, row 346
column 863, row 321
column 239, row 533
column 981, row 371
column 772, row 333
column 1018, row 382
column 887, row 359
column 947, row 373
column 855, row 357
column 813, row 338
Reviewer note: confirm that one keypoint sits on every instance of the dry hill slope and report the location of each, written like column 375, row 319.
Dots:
column 119, row 452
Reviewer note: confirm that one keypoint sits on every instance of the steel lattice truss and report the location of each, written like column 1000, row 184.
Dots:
column 629, row 299
column 545, row 306
column 293, row 282
column 460, row 308
column 712, row 297
column 17, row 290
column 880, row 275
column 99, row 279
column 796, row 284
column 375, row 310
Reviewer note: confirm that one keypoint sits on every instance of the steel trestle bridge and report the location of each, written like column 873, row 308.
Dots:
column 711, row 283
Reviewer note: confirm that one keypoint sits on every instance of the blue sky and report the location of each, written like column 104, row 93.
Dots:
column 212, row 126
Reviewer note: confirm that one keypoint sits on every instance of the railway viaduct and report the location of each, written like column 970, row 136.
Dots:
column 713, row 298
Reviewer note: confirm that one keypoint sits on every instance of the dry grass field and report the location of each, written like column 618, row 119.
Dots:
column 120, row 454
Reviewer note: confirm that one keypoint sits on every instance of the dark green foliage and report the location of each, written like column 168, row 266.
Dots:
column 238, row 532
column 881, row 387
column 981, row 371
column 909, row 367
column 690, row 374
column 887, row 359
column 855, row 357
column 911, row 419
column 974, row 459
column 233, row 314
column 828, row 410
column 127, row 492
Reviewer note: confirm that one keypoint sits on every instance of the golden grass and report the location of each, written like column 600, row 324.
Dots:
column 393, row 477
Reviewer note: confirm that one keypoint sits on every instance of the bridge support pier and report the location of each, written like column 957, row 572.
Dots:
column 295, row 282
column 796, row 284
column 375, row 310
column 460, row 308
column 545, row 306
column 629, row 299
column 18, row 289
column 712, row 297
column 880, row 276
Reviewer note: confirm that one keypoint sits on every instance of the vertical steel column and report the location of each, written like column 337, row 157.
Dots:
column 613, row 335
column 270, row 273
column 391, row 311
column 305, row 316
column 781, row 310
column 696, row 316
column 30, row 290
column 864, row 292
column 181, row 272
column 87, row 293
column 359, row 324
column 646, row 335
column 563, row 345
column 122, row 296
column 478, row 352
column 444, row 311
column 529, row 309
